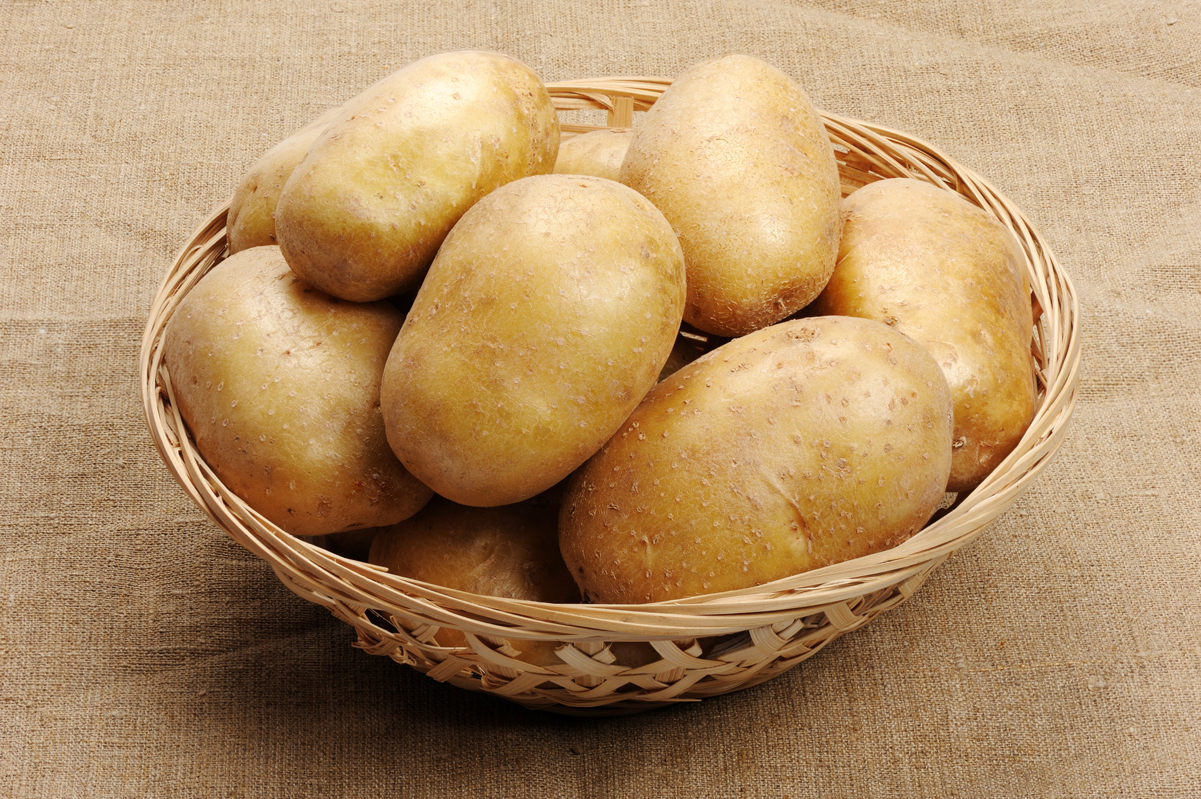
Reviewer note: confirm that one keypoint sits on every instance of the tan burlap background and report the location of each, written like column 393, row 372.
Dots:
column 145, row 654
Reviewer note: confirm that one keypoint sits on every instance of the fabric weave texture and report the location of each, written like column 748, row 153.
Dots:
column 143, row 653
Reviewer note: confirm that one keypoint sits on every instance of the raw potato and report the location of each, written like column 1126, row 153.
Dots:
column 363, row 215
column 945, row 273
column 279, row 385
column 598, row 153
column 804, row 444
column 542, row 323
column 251, row 218
column 739, row 162
column 510, row 551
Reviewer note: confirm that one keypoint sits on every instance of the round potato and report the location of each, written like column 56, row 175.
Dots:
column 800, row 445
column 598, row 153
column 251, row 217
column 279, row 386
column 948, row 275
column 546, row 317
column 364, row 213
column 738, row 160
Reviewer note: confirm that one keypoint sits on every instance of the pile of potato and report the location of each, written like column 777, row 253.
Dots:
column 645, row 365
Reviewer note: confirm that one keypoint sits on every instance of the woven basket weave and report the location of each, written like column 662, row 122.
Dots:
column 702, row 646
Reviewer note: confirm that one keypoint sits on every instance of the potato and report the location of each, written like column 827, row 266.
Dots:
column 737, row 159
column 364, row 213
column 509, row 551
column 800, row 445
column 251, row 218
column 945, row 273
column 598, row 153
column 544, row 320
column 279, row 386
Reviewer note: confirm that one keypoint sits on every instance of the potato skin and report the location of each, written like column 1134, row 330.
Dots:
column 598, row 153
column 279, row 385
column 948, row 275
column 364, row 213
column 542, row 323
column 800, row 445
column 251, row 218
column 739, row 162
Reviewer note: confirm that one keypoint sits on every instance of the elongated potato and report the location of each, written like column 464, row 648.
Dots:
column 251, row 218
column 739, row 162
column 598, row 153
column 364, row 213
column 546, row 317
column 945, row 273
column 279, row 385
column 800, row 445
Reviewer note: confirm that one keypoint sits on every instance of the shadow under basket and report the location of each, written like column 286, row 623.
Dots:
column 609, row 659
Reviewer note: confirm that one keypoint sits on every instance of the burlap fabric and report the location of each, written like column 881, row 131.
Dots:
column 145, row 654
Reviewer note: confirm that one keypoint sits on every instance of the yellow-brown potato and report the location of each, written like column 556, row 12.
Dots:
column 364, row 213
column 279, row 386
column 544, row 320
column 508, row 551
column 738, row 160
column 598, row 153
column 800, row 445
column 945, row 273
column 251, row 218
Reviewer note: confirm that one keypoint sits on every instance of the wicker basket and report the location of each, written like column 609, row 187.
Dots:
column 703, row 646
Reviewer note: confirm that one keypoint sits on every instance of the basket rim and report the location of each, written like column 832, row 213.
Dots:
column 353, row 586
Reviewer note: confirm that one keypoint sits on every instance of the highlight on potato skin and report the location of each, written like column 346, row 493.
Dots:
column 278, row 384
column 944, row 272
column 800, row 445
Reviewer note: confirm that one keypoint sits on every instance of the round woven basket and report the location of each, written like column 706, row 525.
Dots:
column 698, row 647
